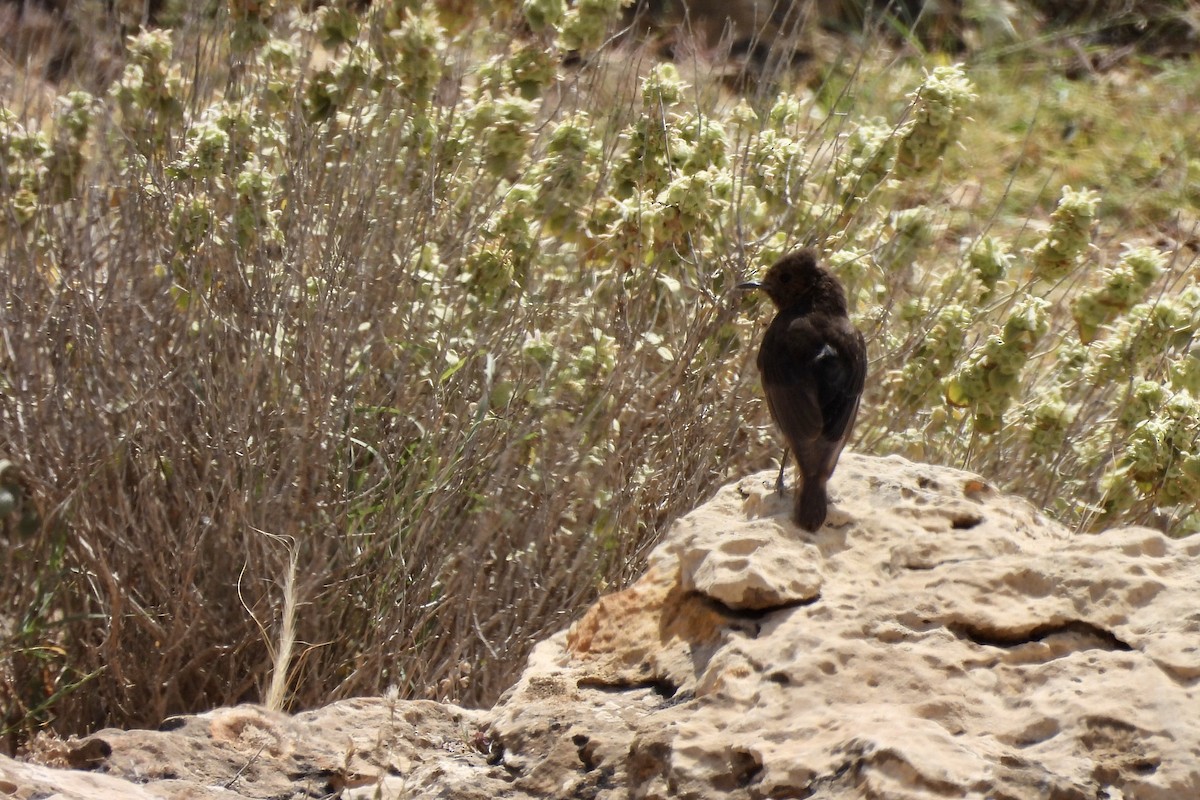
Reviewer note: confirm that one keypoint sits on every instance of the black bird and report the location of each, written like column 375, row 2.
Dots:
column 813, row 364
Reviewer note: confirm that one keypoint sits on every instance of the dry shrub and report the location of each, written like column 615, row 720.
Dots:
column 270, row 331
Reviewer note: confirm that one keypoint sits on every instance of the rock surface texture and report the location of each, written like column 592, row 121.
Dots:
column 935, row 639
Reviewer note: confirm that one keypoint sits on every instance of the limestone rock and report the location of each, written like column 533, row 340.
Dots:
column 347, row 749
column 934, row 639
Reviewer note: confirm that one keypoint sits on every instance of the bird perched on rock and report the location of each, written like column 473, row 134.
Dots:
column 813, row 364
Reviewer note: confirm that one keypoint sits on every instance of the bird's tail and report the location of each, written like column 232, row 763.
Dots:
column 811, row 503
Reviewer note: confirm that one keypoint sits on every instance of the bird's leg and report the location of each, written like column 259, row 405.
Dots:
column 782, row 466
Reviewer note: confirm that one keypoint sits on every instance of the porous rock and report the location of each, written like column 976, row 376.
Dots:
column 934, row 639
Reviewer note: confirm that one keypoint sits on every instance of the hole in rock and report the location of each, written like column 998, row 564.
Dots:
column 660, row 686
column 311, row 775
column 962, row 522
column 1089, row 636
column 754, row 614
column 745, row 768
column 585, row 750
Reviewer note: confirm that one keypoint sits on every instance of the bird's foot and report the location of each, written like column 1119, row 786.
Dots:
column 779, row 481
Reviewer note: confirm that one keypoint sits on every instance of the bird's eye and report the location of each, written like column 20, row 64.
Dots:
column 785, row 278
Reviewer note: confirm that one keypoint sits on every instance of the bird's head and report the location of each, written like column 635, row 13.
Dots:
column 796, row 281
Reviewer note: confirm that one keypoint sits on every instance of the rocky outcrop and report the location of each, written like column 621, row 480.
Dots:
column 934, row 639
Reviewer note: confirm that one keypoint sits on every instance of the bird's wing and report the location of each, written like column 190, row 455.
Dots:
column 787, row 364
column 842, row 365
column 815, row 378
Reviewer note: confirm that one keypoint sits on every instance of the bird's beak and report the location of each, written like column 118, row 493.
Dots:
column 749, row 285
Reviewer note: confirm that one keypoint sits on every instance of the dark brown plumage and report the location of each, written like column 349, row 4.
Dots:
column 813, row 364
